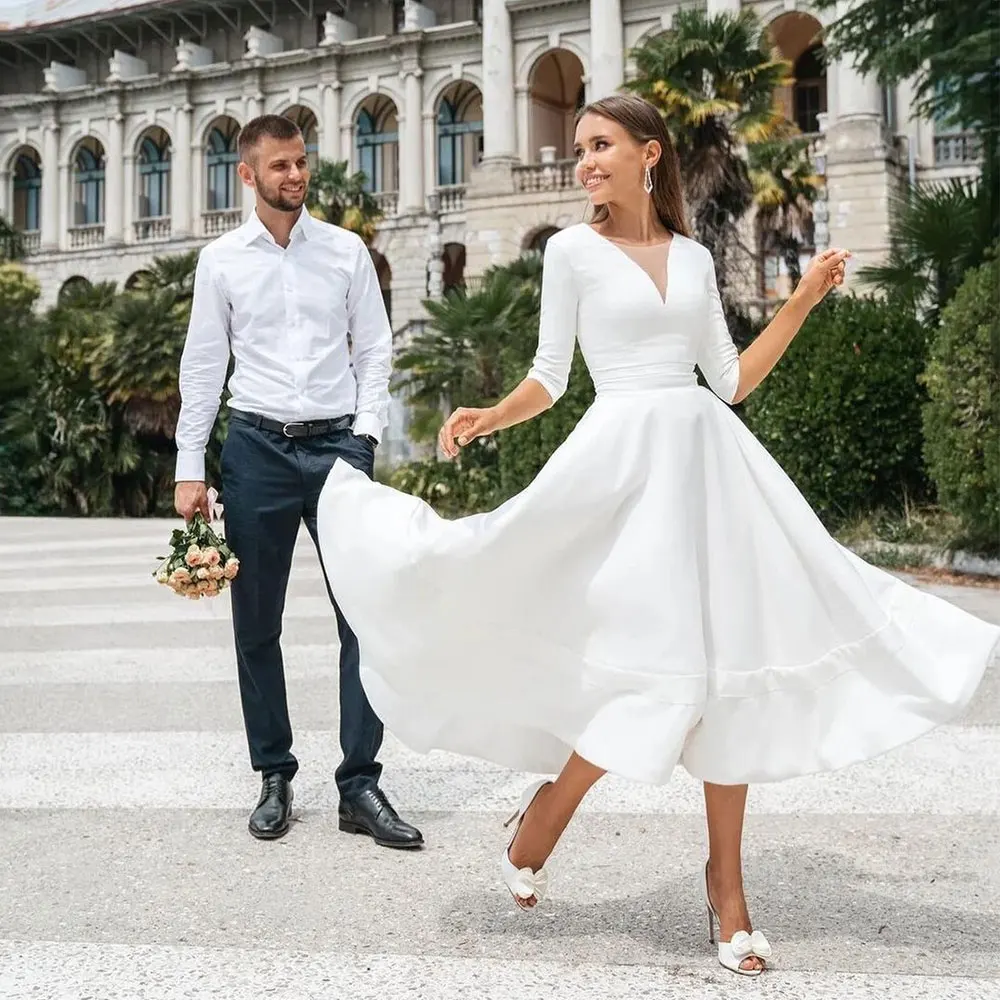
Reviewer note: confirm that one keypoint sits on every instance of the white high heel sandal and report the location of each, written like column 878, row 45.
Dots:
column 740, row 947
column 523, row 883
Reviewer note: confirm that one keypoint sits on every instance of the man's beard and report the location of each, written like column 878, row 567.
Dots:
column 276, row 200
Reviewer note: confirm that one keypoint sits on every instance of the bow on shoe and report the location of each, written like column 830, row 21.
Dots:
column 744, row 945
column 529, row 883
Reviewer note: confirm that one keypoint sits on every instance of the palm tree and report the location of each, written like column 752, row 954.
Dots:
column 939, row 232
column 784, row 188
column 460, row 354
column 341, row 198
column 11, row 241
column 714, row 79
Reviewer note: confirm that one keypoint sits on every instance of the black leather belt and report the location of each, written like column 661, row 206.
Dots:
column 294, row 428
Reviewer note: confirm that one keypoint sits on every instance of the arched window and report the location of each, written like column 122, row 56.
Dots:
column 221, row 161
column 27, row 192
column 376, row 142
column 457, row 129
column 809, row 90
column 154, row 176
column 540, row 237
column 88, row 179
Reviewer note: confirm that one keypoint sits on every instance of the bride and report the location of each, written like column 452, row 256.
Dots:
column 661, row 592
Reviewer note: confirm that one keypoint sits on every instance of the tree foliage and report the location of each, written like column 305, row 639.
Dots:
column 939, row 231
column 341, row 198
column 948, row 49
column 714, row 79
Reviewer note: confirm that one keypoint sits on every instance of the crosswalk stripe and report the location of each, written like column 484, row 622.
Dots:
column 125, row 972
column 192, row 665
column 951, row 771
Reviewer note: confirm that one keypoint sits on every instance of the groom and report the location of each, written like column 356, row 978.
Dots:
column 283, row 294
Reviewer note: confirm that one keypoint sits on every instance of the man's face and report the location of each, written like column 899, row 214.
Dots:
column 280, row 173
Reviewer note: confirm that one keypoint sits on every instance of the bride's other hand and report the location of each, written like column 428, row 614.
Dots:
column 464, row 426
column 826, row 270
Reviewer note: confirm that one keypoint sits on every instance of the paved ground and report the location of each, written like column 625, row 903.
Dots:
column 126, row 871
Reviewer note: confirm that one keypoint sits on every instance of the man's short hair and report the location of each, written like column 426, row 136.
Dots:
column 264, row 127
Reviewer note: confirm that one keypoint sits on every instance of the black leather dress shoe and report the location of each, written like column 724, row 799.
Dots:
column 269, row 820
column 371, row 813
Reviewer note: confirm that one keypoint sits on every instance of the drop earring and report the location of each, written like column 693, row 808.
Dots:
column 648, row 182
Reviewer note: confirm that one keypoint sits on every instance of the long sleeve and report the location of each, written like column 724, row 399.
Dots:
column 557, row 323
column 202, row 371
column 718, row 358
column 371, row 335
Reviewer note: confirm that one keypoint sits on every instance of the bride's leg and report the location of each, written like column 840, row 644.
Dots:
column 725, row 806
column 550, row 813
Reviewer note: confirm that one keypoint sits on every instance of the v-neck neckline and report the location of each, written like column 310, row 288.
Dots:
column 618, row 249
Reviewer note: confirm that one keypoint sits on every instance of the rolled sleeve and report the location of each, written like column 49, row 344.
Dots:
column 202, row 377
column 371, row 336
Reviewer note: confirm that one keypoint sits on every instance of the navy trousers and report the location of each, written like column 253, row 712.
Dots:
column 270, row 486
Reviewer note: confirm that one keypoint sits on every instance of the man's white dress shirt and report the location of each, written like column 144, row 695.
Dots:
column 285, row 315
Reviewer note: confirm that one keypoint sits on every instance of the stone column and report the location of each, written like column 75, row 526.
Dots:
column 330, row 146
column 180, row 174
column 432, row 176
column 499, row 140
column 6, row 196
column 862, row 175
column 129, row 197
column 607, row 48
column 64, row 217
column 412, row 174
column 113, row 177
column 719, row 7
column 523, row 103
column 197, row 188
column 254, row 104
column 50, row 187
column 347, row 145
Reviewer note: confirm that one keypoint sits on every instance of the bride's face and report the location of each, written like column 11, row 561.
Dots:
column 609, row 163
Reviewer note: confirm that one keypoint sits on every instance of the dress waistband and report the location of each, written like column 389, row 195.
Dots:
column 650, row 378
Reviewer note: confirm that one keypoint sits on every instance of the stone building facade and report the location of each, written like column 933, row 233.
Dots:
column 118, row 124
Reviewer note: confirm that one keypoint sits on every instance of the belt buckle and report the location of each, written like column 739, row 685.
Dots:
column 294, row 423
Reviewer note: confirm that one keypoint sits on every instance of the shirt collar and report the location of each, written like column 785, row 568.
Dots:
column 253, row 228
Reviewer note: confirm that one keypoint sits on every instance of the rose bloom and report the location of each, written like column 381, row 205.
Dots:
column 232, row 568
column 180, row 575
column 210, row 556
column 216, row 573
column 193, row 557
column 202, row 573
column 163, row 576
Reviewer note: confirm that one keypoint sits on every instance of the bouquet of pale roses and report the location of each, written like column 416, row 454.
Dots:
column 200, row 563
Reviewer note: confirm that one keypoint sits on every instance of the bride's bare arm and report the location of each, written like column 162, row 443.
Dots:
column 527, row 400
column 756, row 362
column 549, row 374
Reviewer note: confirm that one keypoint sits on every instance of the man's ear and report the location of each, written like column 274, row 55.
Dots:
column 246, row 174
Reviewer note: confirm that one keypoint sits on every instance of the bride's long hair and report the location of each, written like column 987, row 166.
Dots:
column 644, row 123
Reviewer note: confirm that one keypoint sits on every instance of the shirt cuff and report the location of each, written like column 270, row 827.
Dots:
column 190, row 466
column 368, row 423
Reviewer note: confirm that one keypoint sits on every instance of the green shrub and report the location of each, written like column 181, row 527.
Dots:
column 464, row 486
column 841, row 411
column 961, row 419
column 526, row 447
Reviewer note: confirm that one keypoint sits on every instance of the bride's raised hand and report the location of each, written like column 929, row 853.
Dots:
column 826, row 270
column 464, row 426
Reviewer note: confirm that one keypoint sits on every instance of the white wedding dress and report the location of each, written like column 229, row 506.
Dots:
column 660, row 593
